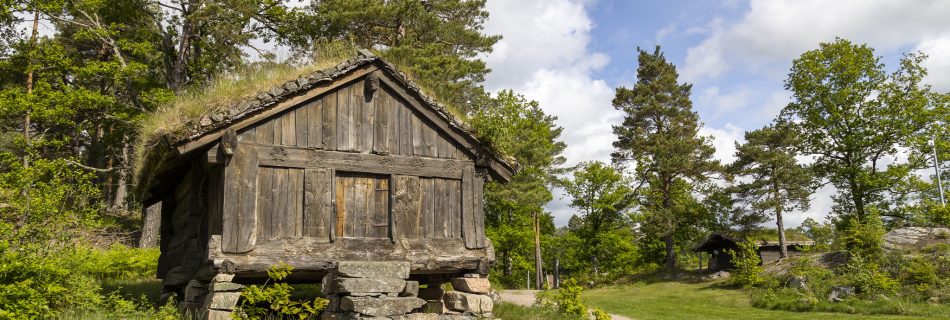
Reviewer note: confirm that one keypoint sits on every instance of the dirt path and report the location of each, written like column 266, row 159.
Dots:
column 526, row 298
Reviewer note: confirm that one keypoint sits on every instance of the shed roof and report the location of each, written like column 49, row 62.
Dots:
column 716, row 241
column 208, row 129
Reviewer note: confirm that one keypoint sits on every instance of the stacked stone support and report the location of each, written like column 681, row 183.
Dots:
column 372, row 290
column 214, row 300
column 470, row 297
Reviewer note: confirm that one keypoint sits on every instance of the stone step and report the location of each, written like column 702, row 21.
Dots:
column 380, row 307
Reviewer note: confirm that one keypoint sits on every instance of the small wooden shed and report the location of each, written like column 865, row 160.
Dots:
column 717, row 244
column 351, row 163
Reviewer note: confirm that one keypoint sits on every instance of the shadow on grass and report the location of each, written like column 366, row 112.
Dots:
column 151, row 289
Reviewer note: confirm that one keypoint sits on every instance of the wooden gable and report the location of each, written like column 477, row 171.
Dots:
column 358, row 159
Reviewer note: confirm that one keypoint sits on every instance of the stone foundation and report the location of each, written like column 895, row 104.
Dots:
column 214, row 300
column 373, row 290
column 470, row 297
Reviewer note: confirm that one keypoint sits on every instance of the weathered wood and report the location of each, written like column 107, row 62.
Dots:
column 380, row 220
column 248, row 135
column 317, row 91
column 382, row 134
column 468, row 207
column 295, row 188
column 265, row 132
column 315, row 254
column 453, row 208
column 240, row 201
column 479, row 209
column 340, row 186
column 302, row 121
column 406, row 207
column 317, row 203
column 315, row 124
column 428, row 207
column 405, row 128
column 292, row 157
column 418, row 139
column 288, row 128
column 281, row 199
column 329, row 113
column 266, row 193
column 345, row 119
column 368, row 116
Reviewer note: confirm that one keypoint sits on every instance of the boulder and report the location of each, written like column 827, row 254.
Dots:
column 915, row 238
column 471, row 285
column 799, row 283
column 417, row 316
column 410, row 290
column 373, row 269
column 840, row 293
column 467, row 302
column 380, row 307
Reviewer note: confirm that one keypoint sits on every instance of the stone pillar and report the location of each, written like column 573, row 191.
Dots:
column 470, row 296
column 372, row 290
column 221, row 298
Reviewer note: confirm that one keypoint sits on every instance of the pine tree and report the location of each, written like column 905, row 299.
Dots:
column 659, row 134
column 771, row 178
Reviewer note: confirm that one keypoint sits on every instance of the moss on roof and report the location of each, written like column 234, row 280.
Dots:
column 237, row 94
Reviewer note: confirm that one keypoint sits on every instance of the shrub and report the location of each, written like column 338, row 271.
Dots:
column 601, row 315
column 274, row 299
column 568, row 300
column 864, row 238
column 746, row 260
column 868, row 278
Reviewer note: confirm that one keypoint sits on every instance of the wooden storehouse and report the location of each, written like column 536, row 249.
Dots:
column 717, row 244
column 352, row 163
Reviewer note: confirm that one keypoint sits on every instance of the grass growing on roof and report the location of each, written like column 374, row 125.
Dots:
column 224, row 91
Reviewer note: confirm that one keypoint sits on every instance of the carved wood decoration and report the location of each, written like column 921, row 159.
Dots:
column 239, row 232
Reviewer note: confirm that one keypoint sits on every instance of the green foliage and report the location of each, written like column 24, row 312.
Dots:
column 823, row 234
column 659, row 134
column 275, row 299
column 850, row 115
column 568, row 300
column 868, row 277
column 921, row 273
column 601, row 314
column 746, row 260
column 864, row 238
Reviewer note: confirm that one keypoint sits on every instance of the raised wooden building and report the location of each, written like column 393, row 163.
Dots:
column 352, row 163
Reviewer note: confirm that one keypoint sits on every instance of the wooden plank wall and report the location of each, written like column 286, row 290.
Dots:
column 349, row 120
column 296, row 202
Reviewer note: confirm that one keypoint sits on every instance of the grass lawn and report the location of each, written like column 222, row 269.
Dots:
column 677, row 300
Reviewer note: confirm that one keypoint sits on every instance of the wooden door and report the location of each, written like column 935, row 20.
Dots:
column 362, row 205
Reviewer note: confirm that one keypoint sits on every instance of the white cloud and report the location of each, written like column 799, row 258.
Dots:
column 724, row 140
column 723, row 103
column 544, row 55
column 772, row 33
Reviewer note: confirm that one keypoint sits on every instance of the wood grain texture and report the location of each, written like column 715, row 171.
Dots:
column 406, row 207
column 468, row 208
column 265, row 132
column 288, row 128
column 318, row 205
column 329, row 114
column 240, row 200
column 315, row 124
column 367, row 117
column 479, row 209
column 266, row 193
column 302, row 121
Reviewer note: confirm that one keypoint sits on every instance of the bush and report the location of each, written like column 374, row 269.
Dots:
column 274, row 299
column 601, row 315
column 868, row 278
column 864, row 238
column 747, row 270
column 568, row 300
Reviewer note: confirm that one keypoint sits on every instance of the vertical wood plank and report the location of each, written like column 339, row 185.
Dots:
column 278, row 130
column 317, row 202
column 381, row 210
column 344, row 119
column 302, row 122
column 367, row 117
column 405, row 128
column 479, row 212
column 315, row 122
column 454, row 208
column 329, row 120
column 265, row 132
column 381, row 136
column 418, row 143
column 296, row 192
column 468, row 207
column 239, row 232
column 281, row 201
column 406, row 207
column 429, row 138
column 248, row 135
column 265, row 203
column 288, row 126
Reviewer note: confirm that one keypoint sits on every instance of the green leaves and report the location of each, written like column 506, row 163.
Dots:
column 851, row 116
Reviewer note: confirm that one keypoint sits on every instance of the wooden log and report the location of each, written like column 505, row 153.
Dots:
column 479, row 209
column 316, row 254
column 292, row 157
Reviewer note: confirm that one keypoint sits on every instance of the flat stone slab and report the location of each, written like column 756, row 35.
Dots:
column 467, row 302
column 416, row 316
column 222, row 300
column 915, row 238
column 226, row 286
column 373, row 269
column 335, row 285
column 380, row 307
column 410, row 290
column 472, row 285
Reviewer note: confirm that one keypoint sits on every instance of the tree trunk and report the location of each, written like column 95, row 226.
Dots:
column 557, row 274
column 151, row 222
column 596, row 269
column 26, row 122
column 670, row 252
column 781, row 232
column 856, row 197
column 537, row 252
column 121, row 189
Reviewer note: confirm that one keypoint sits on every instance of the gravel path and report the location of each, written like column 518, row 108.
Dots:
column 526, row 298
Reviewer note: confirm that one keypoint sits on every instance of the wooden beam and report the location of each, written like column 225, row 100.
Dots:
column 296, row 157
column 316, row 254
column 307, row 95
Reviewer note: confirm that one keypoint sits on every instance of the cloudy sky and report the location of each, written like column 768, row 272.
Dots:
column 569, row 55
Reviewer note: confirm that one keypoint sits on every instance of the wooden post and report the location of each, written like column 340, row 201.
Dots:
column 557, row 274
column 537, row 251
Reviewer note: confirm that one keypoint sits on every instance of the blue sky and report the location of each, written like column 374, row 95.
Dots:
column 569, row 55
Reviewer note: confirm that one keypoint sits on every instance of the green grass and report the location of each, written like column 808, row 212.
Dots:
column 510, row 311
column 708, row 300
